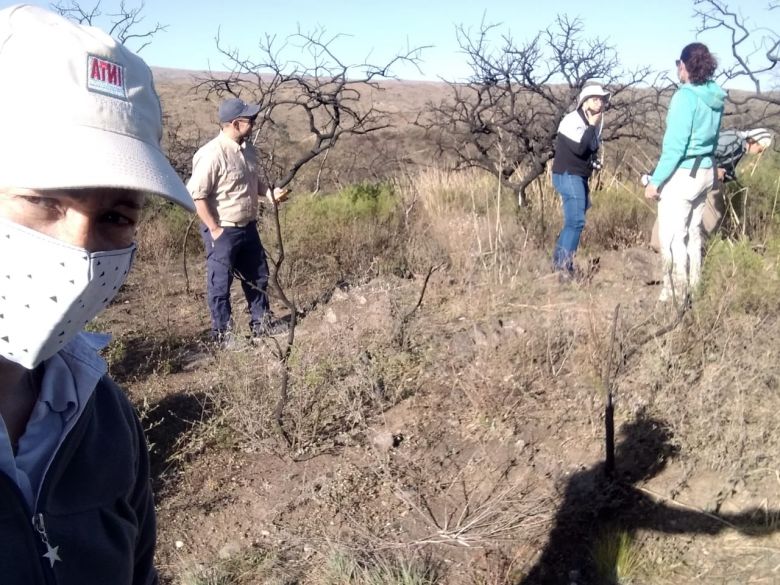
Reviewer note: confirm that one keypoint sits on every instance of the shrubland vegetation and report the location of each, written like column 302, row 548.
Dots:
column 443, row 397
column 497, row 346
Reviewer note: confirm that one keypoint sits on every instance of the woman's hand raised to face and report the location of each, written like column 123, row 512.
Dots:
column 594, row 118
column 593, row 107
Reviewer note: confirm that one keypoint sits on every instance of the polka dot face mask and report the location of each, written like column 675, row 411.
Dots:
column 50, row 290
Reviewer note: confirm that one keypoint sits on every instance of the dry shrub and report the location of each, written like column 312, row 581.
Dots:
column 337, row 383
column 465, row 219
column 347, row 568
column 717, row 392
column 336, row 389
column 244, row 567
column 619, row 218
column 473, row 503
column 161, row 232
column 242, row 386
column 441, row 192
column 726, row 373
column 540, row 214
column 715, row 377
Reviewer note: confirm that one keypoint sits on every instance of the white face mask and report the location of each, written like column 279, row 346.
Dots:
column 50, row 290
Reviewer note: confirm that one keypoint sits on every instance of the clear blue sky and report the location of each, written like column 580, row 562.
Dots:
column 644, row 32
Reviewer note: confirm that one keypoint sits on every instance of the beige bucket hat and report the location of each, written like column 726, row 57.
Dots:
column 78, row 109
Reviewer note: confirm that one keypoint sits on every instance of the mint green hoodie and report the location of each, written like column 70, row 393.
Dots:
column 692, row 126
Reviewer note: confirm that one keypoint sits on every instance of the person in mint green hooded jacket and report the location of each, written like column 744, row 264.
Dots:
column 686, row 169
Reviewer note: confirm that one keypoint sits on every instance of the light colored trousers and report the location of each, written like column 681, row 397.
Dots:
column 680, row 214
column 714, row 210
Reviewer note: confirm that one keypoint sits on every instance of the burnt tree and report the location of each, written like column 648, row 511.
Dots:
column 754, row 56
column 302, row 78
column 504, row 118
column 125, row 24
column 754, row 52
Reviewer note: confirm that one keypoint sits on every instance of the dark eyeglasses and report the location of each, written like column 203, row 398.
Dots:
column 677, row 62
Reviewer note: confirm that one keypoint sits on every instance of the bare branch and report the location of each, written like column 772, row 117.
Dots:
column 505, row 117
column 755, row 52
column 746, row 44
column 324, row 94
column 123, row 25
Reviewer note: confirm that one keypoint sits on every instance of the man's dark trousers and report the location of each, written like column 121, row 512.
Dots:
column 237, row 251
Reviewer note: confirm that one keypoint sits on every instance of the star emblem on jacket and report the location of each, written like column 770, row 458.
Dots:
column 52, row 554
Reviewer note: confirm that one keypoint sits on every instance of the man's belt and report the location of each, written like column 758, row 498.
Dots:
column 238, row 224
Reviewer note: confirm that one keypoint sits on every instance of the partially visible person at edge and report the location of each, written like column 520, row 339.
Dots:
column 80, row 151
column 576, row 146
column 732, row 146
column 686, row 170
column 226, row 188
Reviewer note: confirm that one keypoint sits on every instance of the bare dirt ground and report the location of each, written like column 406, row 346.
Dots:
column 477, row 444
column 472, row 440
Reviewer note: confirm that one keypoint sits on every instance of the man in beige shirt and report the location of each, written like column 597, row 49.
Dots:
column 225, row 187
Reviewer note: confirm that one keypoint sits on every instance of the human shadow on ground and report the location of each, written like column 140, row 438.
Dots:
column 136, row 357
column 167, row 425
column 595, row 504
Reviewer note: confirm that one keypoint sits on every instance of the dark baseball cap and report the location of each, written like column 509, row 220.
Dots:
column 234, row 108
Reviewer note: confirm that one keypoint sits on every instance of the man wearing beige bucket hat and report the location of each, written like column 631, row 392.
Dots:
column 80, row 150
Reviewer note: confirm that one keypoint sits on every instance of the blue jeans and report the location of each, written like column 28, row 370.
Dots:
column 237, row 252
column 575, row 197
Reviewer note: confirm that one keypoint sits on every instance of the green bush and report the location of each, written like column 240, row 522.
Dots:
column 354, row 233
column 754, row 198
column 739, row 276
column 363, row 200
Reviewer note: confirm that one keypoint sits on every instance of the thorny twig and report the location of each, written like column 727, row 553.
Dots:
column 682, row 310
column 184, row 254
column 282, row 353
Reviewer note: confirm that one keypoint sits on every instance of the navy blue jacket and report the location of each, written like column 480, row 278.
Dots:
column 575, row 145
column 95, row 506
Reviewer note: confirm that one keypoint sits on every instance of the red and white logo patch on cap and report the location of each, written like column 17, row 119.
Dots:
column 106, row 77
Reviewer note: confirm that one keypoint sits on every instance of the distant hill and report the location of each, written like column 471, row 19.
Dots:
column 191, row 120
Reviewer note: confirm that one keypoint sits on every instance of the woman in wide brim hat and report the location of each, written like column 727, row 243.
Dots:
column 75, row 491
column 576, row 147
